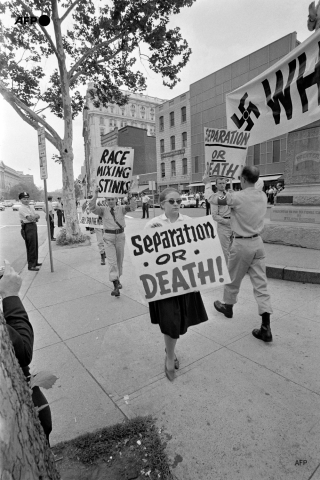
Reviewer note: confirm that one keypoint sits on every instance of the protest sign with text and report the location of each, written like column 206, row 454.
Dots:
column 113, row 170
column 87, row 218
column 283, row 98
column 225, row 152
column 178, row 258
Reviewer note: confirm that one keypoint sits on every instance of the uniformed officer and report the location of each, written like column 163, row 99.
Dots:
column 28, row 219
column 247, row 255
column 221, row 214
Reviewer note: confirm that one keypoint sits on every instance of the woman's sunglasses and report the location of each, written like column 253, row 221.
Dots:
column 172, row 201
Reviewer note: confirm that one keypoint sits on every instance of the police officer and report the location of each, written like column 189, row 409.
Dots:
column 221, row 214
column 28, row 219
column 247, row 255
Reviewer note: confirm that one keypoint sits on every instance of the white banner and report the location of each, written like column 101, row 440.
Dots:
column 113, row 171
column 281, row 99
column 87, row 218
column 178, row 258
column 225, row 152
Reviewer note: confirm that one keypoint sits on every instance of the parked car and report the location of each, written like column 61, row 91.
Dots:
column 16, row 206
column 32, row 202
column 8, row 203
column 39, row 205
column 188, row 201
column 2, row 207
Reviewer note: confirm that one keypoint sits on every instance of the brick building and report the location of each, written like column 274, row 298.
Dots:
column 173, row 132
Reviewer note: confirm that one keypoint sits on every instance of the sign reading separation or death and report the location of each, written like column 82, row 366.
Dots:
column 87, row 218
column 178, row 258
column 225, row 152
column 113, row 170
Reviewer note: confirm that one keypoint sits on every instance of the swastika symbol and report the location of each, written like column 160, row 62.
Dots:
column 246, row 114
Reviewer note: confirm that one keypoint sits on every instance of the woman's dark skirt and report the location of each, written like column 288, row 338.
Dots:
column 175, row 315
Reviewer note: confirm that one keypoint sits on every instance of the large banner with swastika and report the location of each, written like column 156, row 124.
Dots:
column 284, row 97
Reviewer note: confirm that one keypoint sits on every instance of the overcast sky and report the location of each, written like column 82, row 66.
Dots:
column 218, row 33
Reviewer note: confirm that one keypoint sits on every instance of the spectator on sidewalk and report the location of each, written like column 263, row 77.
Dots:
column 21, row 335
column 247, row 255
column 60, row 214
column 114, row 238
column 176, row 314
column 29, row 231
column 145, row 205
column 221, row 214
column 50, row 216
column 197, row 197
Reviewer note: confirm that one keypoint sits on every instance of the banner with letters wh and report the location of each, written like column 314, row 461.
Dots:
column 225, row 152
column 113, row 170
column 178, row 258
column 281, row 99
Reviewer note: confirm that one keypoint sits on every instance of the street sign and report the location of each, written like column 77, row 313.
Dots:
column 152, row 185
column 42, row 153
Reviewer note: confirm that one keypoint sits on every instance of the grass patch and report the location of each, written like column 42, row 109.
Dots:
column 64, row 239
column 125, row 451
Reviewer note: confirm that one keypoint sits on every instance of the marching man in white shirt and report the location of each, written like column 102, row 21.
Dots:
column 247, row 255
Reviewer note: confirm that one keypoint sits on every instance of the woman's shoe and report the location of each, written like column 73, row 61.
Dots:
column 176, row 361
column 170, row 374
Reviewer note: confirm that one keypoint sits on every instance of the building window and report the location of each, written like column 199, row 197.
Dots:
column 171, row 119
column 184, row 139
column 183, row 114
column 276, row 151
column 101, row 131
column 152, row 117
column 110, row 123
column 184, row 166
column 163, row 170
column 111, row 109
column 256, row 154
column 122, row 111
column 101, row 121
column 161, row 146
column 173, row 168
column 196, row 164
column 161, row 124
column 173, row 142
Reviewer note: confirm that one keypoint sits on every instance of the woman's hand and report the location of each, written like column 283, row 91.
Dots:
column 206, row 179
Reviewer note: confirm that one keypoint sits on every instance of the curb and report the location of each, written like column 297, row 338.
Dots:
column 293, row 274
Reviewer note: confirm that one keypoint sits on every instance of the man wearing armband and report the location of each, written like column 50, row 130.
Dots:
column 247, row 255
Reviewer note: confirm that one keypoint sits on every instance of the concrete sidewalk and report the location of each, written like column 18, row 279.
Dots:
column 239, row 409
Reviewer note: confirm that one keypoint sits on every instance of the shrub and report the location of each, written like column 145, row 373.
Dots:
column 64, row 239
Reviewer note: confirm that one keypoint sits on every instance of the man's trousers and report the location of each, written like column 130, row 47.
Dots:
column 225, row 234
column 115, row 253
column 99, row 235
column 248, row 256
column 31, row 241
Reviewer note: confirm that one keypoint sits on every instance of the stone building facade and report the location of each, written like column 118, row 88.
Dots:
column 8, row 178
column 173, row 133
column 139, row 112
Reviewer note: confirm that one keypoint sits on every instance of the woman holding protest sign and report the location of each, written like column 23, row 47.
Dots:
column 176, row 314
column 113, row 234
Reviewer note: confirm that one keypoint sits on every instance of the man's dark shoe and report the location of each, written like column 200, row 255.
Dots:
column 103, row 258
column 53, row 239
column 263, row 333
column 116, row 291
column 38, row 264
column 223, row 308
column 34, row 269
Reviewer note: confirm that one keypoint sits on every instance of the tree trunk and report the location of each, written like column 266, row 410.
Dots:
column 24, row 450
column 70, row 209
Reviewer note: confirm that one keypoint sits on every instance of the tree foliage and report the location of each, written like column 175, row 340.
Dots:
column 89, row 43
column 34, row 192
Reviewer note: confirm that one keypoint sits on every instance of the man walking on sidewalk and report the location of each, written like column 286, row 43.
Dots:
column 50, row 217
column 247, row 255
column 145, row 205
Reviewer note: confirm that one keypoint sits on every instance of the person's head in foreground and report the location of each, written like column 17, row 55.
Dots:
column 170, row 202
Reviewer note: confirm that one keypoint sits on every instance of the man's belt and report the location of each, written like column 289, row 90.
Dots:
column 253, row 236
column 120, row 230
